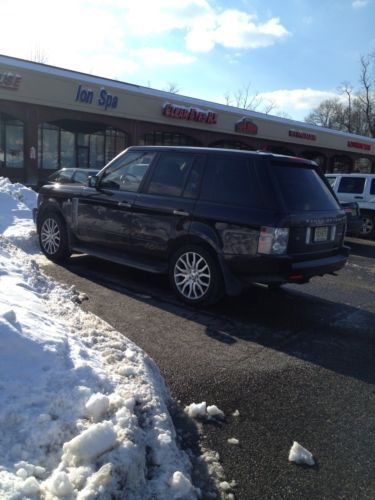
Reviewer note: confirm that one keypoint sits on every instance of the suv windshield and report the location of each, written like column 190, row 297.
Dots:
column 302, row 188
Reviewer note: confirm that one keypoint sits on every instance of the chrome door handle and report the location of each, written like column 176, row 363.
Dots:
column 180, row 212
column 125, row 204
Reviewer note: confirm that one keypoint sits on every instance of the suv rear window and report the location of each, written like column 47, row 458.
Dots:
column 302, row 188
column 351, row 185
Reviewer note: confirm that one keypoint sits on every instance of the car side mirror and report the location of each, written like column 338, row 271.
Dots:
column 93, row 181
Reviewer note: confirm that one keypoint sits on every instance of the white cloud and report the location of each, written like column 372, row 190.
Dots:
column 359, row 4
column 158, row 56
column 233, row 29
column 112, row 38
column 297, row 99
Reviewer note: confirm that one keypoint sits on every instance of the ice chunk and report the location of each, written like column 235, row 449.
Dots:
column 58, row 484
column 30, row 487
column 233, row 441
column 300, row 455
column 214, row 411
column 196, row 409
column 180, row 483
column 90, row 444
column 97, row 406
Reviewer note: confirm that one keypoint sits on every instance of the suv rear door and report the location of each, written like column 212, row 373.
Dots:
column 164, row 209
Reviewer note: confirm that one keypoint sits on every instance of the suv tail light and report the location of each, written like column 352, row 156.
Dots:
column 273, row 240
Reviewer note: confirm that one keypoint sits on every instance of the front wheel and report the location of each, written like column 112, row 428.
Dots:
column 195, row 276
column 368, row 225
column 53, row 237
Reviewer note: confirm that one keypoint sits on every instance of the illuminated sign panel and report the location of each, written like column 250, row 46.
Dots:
column 10, row 80
column 189, row 114
column 246, row 126
column 301, row 134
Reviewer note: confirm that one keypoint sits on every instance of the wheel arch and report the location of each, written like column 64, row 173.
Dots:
column 231, row 283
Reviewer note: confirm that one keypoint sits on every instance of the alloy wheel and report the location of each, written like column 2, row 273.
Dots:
column 192, row 275
column 50, row 236
column 367, row 225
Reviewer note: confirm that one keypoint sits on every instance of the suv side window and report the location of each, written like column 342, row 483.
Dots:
column 372, row 187
column 170, row 174
column 127, row 173
column 233, row 181
column 351, row 185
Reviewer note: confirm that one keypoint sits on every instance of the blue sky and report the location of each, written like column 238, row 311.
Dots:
column 293, row 53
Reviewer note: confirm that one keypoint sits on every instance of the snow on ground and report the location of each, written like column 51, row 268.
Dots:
column 83, row 410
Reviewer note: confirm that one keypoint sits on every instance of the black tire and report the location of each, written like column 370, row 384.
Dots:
column 195, row 276
column 368, row 225
column 53, row 237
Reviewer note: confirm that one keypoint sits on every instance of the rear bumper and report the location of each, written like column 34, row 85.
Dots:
column 35, row 214
column 318, row 267
column 285, row 269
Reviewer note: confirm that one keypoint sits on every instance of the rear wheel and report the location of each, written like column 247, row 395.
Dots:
column 53, row 237
column 195, row 276
column 368, row 225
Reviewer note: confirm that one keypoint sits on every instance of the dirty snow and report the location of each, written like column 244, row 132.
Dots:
column 83, row 410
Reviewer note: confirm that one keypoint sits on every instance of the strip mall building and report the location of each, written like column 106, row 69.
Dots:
column 52, row 118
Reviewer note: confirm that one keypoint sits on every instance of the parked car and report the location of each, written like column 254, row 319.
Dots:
column 215, row 220
column 353, row 218
column 359, row 188
column 71, row 175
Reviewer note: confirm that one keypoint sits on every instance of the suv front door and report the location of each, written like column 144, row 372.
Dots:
column 103, row 213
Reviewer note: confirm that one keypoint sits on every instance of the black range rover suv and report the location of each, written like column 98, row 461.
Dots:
column 215, row 220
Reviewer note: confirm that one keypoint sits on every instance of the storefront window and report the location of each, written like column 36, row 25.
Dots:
column 169, row 139
column 59, row 148
column 341, row 164
column 362, row 165
column 231, row 145
column 11, row 142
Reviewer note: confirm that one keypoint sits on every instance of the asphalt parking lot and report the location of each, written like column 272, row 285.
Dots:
column 297, row 364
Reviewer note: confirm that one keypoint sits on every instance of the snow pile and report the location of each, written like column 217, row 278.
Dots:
column 16, row 223
column 300, row 455
column 83, row 410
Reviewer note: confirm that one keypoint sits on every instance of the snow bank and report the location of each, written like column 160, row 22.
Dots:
column 83, row 410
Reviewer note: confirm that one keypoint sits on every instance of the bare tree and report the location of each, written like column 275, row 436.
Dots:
column 355, row 113
column 328, row 114
column 39, row 55
column 346, row 89
column 243, row 98
column 367, row 95
column 172, row 88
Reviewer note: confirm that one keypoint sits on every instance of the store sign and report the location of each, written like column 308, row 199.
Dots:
column 359, row 145
column 300, row 134
column 189, row 114
column 10, row 80
column 103, row 99
column 246, row 126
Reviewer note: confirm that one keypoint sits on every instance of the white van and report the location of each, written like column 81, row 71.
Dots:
column 358, row 188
